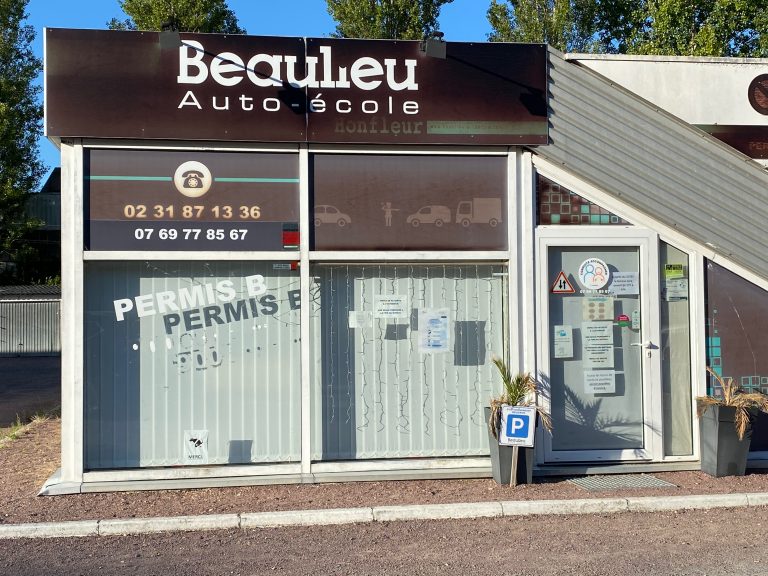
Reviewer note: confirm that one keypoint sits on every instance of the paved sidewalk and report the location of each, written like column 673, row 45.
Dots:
column 130, row 526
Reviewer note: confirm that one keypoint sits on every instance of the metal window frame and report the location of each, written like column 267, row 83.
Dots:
column 696, row 255
column 74, row 257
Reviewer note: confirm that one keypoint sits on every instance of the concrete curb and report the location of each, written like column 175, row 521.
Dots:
column 437, row 511
column 549, row 507
column 306, row 518
column 257, row 520
column 50, row 530
column 168, row 524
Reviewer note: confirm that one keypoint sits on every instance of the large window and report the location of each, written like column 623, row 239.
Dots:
column 737, row 312
column 380, row 202
column 401, row 358
column 191, row 363
column 676, row 351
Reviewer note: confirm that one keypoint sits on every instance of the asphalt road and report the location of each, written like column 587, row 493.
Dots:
column 713, row 543
column 28, row 384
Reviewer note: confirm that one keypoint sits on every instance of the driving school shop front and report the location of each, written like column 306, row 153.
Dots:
column 293, row 259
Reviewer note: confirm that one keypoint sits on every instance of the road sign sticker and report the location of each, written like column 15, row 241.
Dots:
column 562, row 285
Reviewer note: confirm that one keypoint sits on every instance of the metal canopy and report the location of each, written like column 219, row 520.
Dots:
column 657, row 164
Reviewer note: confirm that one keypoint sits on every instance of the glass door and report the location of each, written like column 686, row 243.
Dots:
column 598, row 344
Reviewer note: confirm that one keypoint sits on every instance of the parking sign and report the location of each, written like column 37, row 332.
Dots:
column 518, row 424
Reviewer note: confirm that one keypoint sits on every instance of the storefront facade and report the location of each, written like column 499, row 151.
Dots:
column 282, row 276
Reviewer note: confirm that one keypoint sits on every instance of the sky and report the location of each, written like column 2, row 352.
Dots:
column 461, row 21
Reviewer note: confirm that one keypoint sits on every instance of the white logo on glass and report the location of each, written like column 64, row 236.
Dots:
column 594, row 274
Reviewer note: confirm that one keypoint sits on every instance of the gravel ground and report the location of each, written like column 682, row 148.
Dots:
column 27, row 462
column 723, row 542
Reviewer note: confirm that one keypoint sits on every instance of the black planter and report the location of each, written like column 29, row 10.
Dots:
column 501, row 460
column 722, row 453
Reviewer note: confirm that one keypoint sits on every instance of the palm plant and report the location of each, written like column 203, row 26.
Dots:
column 734, row 396
column 520, row 389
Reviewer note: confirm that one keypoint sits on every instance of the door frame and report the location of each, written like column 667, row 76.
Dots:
column 647, row 242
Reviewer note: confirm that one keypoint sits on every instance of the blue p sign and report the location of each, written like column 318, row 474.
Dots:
column 517, row 425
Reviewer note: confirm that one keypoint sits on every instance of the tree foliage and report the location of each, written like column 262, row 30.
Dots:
column 188, row 16
column 20, row 127
column 564, row 24
column 394, row 19
column 661, row 27
column 708, row 28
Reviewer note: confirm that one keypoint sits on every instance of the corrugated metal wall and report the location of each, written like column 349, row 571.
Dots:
column 656, row 163
column 30, row 328
column 229, row 376
column 47, row 208
column 376, row 393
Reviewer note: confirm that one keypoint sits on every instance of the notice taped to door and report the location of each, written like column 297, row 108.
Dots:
column 600, row 382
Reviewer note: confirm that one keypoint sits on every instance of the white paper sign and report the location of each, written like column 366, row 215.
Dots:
column 391, row 306
column 360, row 319
column 597, row 344
column 433, row 330
column 518, row 424
column 597, row 333
column 563, row 340
column 676, row 289
column 625, row 283
column 195, row 447
column 600, row 382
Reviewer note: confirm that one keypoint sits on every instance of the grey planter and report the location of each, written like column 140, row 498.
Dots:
column 722, row 453
column 501, row 460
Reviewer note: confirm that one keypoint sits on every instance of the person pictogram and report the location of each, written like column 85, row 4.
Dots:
column 387, row 207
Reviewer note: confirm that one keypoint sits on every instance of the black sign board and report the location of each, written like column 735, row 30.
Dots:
column 191, row 201
column 114, row 84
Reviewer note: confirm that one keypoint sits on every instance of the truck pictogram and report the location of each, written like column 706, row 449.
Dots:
column 479, row 211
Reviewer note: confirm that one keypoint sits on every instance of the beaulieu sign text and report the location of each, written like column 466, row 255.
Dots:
column 275, row 71
column 214, row 87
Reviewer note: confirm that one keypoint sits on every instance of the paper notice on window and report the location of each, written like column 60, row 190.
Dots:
column 625, row 284
column 676, row 289
column 600, row 382
column 433, row 330
column 360, row 319
column 563, row 341
column 597, row 308
column 597, row 344
column 391, row 306
column 674, row 271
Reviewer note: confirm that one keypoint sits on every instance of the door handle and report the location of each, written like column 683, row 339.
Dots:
column 649, row 345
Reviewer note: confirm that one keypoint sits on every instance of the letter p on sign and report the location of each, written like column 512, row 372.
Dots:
column 518, row 425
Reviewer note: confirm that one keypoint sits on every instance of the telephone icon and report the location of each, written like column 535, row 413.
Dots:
column 192, row 179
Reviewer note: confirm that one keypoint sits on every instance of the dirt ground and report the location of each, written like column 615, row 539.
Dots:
column 27, row 462
column 722, row 542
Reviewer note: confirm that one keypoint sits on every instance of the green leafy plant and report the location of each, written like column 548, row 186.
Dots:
column 736, row 397
column 519, row 389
